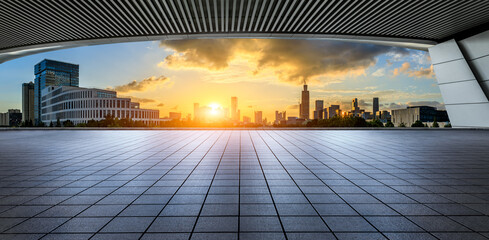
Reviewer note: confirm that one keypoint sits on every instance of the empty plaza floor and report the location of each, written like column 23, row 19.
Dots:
column 244, row 184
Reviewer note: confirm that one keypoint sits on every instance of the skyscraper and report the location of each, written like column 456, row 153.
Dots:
column 234, row 109
column 52, row 73
column 375, row 106
column 355, row 110
column 304, row 106
column 280, row 117
column 318, row 112
column 258, row 117
column 333, row 110
column 196, row 112
column 28, row 101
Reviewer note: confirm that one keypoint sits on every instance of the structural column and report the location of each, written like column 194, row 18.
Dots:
column 462, row 72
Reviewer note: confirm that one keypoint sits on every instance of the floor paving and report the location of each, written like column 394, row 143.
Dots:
column 244, row 184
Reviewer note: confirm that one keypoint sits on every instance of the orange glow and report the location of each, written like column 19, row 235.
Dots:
column 215, row 108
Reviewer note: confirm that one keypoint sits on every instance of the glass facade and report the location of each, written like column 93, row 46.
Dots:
column 52, row 73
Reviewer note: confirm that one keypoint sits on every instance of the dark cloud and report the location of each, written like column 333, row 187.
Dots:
column 142, row 85
column 292, row 61
column 393, row 106
column 139, row 100
column 363, row 103
column 436, row 104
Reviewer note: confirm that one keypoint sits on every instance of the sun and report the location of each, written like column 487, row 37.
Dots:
column 215, row 107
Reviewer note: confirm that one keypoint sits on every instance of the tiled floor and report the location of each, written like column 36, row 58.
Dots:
column 249, row 184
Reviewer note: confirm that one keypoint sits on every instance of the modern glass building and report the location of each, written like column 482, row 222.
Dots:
column 52, row 73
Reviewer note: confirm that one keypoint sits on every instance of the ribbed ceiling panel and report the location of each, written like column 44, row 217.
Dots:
column 31, row 22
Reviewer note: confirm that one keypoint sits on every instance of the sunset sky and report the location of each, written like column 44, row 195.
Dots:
column 265, row 74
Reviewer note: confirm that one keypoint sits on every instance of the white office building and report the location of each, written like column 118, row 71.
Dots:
column 80, row 105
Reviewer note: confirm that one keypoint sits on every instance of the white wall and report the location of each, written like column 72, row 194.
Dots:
column 462, row 72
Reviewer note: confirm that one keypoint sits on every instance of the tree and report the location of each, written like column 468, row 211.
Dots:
column 51, row 124
column 402, row 125
column 68, row 123
column 435, row 124
column 375, row 123
column 389, row 124
column 417, row 124
column 448, row 125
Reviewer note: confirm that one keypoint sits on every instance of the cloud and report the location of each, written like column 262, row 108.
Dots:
column 418, row 73
column 403, row 69
column 379, row 72
column 174, row 107
column 436, row 104
column 160, row 105
column 296, row 106
column 291, row 61
column 139, row 100
column 393, row 105
column 142, row 85
column 423, row 73
column 364, row 104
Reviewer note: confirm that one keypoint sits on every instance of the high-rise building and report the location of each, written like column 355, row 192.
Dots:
column 258, row 117
column 28, row 102
column 304, row 106
column 196, row 112
column 318, row 112
column 246, row 119
column 175, row 115
column 234, row 109
column 52, row 73
column 11, row 118
column 280, row 117
column 334, row 110
column 375, row 106
column 383, row 116
column 355, row 110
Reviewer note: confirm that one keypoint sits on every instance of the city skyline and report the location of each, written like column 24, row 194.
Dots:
column 162, row 80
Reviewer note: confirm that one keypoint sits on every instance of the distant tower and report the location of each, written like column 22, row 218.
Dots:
column 234, row 109
column 355, row 110
column 375, row 107
column 318, row 112
column 28, row 101
column 258, row 117
column 333, row 110
column 196, row 111
column 304, row 106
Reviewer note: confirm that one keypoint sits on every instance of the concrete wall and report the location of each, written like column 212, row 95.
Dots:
column 462, row 72
column 407, row 116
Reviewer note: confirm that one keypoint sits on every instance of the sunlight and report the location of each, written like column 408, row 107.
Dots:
column 215, row 108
